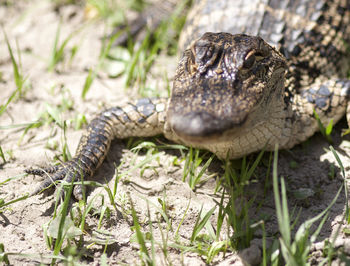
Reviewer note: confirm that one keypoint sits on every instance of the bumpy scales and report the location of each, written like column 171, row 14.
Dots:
column 252, row 78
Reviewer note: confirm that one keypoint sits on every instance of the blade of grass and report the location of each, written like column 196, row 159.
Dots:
column 2, row 155
column 140, row 236
column 57, row 53
column 201, row 223
column 16, row 74
column 16, row 69
column 347, row 212
column 93, row 72
column 64, row 212
column 4, row 204
column 325, row 131
column 9, row 100
column 3, row 255
column 282, row 216
column 182, row 220
column 19, row 125
column 297, row 252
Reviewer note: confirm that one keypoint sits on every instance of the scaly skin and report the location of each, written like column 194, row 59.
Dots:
column 144, row 118
column 233, row 93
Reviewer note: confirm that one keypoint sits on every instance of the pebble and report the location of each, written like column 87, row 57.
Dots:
column 251, row 255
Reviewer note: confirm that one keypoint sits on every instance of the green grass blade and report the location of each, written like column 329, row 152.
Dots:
column 338, row 161
column 160, row 210
column 347, row 211
column 2, row 155
column 325, row 131
column 329, row 128
column 319, row 123
column 204, row 168
column 182, row 220
column 19, row 125
column 200, row 224
column 64, row 211
column 255, row 164
column 87, row 210
column 4, row 204
column 54, row 113
column 16, row 73
column 9, row 100
column 221, row 215
column 139, row 235
column 285, row 212
column 3, row 255
column 54, row 58
column 93, row 72
column 88, row 82
column 283, row 223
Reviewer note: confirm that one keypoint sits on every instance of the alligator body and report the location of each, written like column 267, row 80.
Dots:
column 251, row 75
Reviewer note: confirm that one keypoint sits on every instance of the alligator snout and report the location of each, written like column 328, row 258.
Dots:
column 199, row 125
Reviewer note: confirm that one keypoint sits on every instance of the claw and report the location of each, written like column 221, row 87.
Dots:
column 78, row 192
column 42, row 171
column 58, row 171
column 68, row 172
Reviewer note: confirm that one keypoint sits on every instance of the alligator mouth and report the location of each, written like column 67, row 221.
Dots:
column 201, row 126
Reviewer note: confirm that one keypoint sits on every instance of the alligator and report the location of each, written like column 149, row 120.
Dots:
column 252, row 75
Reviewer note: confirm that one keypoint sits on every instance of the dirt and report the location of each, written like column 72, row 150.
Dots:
column 307, row 168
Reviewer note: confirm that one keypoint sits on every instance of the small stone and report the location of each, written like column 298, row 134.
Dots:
column 251, row 255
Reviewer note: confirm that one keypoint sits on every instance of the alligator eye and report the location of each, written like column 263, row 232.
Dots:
column 249, row 61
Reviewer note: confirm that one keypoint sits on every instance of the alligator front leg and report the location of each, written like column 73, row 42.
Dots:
column 328, row 99
column 143, row 119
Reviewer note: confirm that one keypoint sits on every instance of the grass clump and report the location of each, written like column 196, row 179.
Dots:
column 135, row 61
column 295, row 249
column 191, row 171
column 236, row 210
column 18, row 76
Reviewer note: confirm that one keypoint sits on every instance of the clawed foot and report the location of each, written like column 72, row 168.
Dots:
column 69, row 171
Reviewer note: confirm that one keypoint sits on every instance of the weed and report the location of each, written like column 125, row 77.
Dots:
column 52, row 114
column 204, row 244
column 3, row 203
column 236, row 208
column 58, row 50
column 295, row 251
column 181, row 222
column 325, row 131
column 62, row 227
column 347, row 212
column 3, row 255
column 142, row 238
column 192, row 163
column 93, row 72
column 331, row 173
column 200, row 223
column 135, row 62
column 17, row 75
column 2, row 155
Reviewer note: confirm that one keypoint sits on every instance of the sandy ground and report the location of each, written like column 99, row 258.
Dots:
column 306, row 168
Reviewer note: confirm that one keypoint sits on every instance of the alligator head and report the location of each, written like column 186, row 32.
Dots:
column 224, row 83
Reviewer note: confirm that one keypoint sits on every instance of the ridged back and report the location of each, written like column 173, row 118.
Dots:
column 313, row 34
